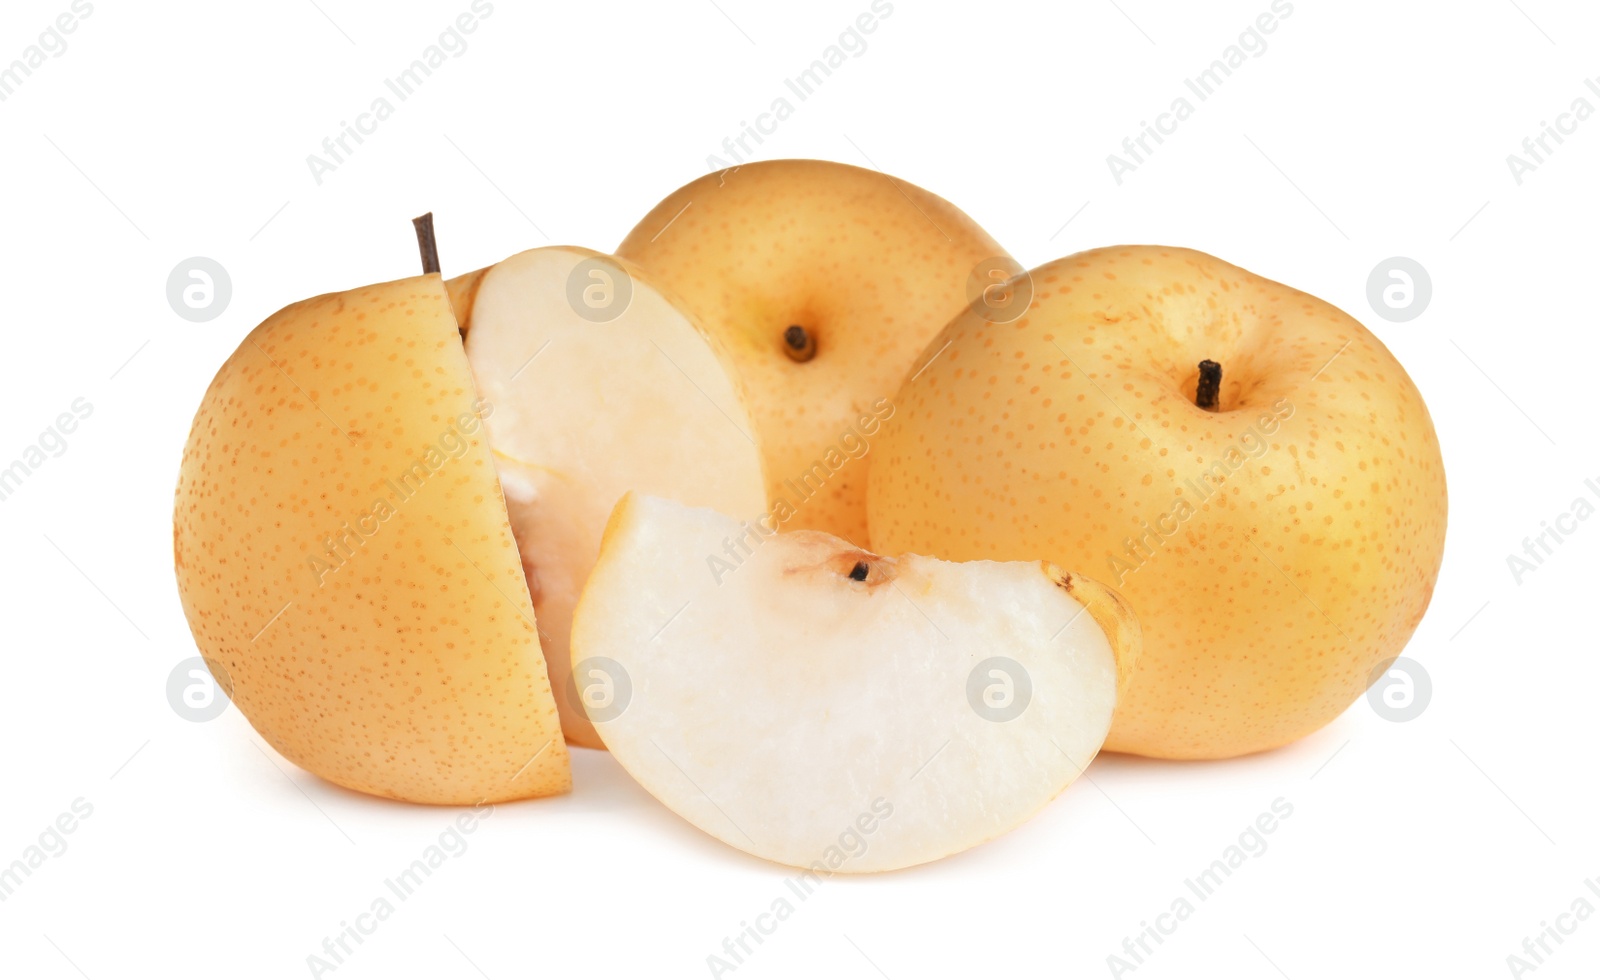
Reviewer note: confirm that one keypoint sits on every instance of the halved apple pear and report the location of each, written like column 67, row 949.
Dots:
column 345, row 562
column 815, row 704
column 349, row 564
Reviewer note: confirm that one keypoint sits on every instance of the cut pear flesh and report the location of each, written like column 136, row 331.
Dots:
column 596, row 385
column 826, row 708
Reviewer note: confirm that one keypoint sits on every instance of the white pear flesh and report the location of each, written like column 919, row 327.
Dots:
column 583, row 408
column 774, row 701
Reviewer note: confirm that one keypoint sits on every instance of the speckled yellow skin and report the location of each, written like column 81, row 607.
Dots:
column 1311, row 542
column 413, row 669
column 870, row 266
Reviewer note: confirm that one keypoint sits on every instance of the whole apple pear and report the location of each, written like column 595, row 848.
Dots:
column 1277, row 544
column 823, row 281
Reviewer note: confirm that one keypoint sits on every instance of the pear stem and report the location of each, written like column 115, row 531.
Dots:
column 799, row 344
column 426, row 244
column 1205, row 393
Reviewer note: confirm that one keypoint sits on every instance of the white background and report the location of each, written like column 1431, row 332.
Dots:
column 1366, row 130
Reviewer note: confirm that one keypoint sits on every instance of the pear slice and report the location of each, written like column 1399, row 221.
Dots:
column 595, row 385
column 827, row 708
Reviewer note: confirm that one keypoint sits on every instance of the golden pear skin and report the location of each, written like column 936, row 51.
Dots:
column 866, row 266
column 1275, row 550
column 381, row 638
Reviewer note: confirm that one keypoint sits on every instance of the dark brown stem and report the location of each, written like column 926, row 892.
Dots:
column 425, row 243
column 799, row 344
column 1205, row 393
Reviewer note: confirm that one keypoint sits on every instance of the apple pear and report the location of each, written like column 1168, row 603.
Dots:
column 345, row 562
column 823, row 281
column 380, row 531
column 1247, row 464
